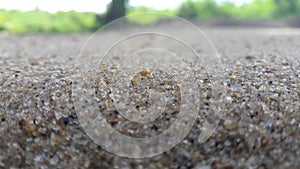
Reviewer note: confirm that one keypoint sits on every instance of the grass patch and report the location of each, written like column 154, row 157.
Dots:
column 18, row 22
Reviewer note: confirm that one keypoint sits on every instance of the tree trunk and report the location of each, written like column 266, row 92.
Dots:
column 116, row 9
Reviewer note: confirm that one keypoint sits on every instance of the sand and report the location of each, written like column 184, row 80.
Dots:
column 258, row 126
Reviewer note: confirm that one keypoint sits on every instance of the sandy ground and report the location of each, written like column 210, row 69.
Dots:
column 259, row 128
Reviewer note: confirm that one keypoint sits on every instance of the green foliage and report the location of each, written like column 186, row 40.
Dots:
column 36, row 21
column 287, row 8
column 43, row 22
column 256, row 9
column 209, row 9
column 205, row 9
column 148, row 19
column 188, row 10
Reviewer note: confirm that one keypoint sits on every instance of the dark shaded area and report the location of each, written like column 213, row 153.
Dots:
column 116, row 9
column 284, row 7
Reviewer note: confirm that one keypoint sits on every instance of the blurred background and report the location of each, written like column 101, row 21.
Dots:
column 66, row 16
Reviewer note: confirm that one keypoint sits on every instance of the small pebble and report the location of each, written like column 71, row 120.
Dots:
column 66, row 121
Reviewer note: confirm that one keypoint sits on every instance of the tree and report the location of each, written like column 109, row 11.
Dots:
column 187, row 10
column 115, row 10
column 286, row 7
